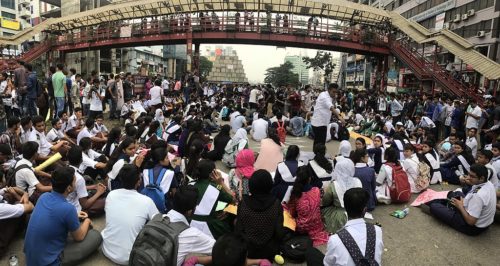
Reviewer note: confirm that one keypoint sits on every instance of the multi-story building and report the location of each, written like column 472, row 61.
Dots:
column 336, row 70
column 176, row 60
column 299, row 67
column 9, row 24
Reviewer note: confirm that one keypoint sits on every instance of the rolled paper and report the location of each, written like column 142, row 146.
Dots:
column 54, row 158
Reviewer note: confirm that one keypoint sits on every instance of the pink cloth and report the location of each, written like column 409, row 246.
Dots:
column 429, row 195
column 270, row 156
column 244, row 163
column 308, row 219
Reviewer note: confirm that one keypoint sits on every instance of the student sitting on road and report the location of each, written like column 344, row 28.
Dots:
column 473, row 213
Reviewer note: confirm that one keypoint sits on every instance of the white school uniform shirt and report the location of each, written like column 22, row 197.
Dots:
column 495, row 162
column 127, row 211
column 166, row 182
column 43, row 144
column 95, row 101
column 191, row 240
column 322, row 113
column 7, row 210
column 336, row 252
column 492, row 175
column 98, row 129
column 25, row 135
column 472, row 122
column 25, row 178
column 84, row 133
column 259, row 129
column 472, row 143
column 481, row 202
column 72, row 123
column 410, row 165
column 54, row 134
column 88, row 159
column 384, row 178
column 155, row 94
column 79, row 192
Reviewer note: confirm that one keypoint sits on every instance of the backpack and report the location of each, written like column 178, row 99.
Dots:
column 10, row 177
column 281, row 130
column 295, row 248
column 157, row 243
column 352, row 247
column 153, row 189
column 424, row 176
column 400, row 189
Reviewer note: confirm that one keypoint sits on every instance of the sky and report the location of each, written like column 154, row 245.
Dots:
column 257, row 58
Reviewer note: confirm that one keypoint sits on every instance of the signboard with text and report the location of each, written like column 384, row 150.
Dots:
column 441, row 8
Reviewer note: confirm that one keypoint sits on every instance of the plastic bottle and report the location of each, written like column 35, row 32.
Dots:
column 401, row 213
column 13, row 261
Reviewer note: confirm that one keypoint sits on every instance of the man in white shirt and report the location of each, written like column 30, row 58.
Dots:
column 74, row 124
column 155, row 95
column 410, row 165
column 254, row 97
column 355, row 200
column 25, row 174
column 238, row 120
column 322, row 115
column 127, row 211
column 474, row 212
column 165, row 85
column 99, row 126
column 191, row 240
column 259, row 128
column 473, row 115
column 472, row 141
column 45, row 148
column 98, row 91
column 86, row 133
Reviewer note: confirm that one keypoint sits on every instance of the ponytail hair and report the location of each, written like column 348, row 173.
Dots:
column 303, row 178
column 319, row 156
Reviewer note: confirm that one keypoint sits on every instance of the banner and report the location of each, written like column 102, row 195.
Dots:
column 126, row 31
column 10, row 24
column 440, row 21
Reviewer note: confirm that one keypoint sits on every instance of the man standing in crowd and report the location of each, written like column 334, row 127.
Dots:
column 33, row 88
column 60, row 89
column 323, row 110
column 20, row 79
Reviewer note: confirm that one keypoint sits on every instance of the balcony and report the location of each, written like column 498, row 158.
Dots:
column 25, row 14
column 24, row 3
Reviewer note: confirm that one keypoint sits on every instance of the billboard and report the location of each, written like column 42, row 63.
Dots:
column 10, row 24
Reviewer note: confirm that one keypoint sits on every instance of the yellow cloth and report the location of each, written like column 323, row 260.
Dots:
column 355, row 135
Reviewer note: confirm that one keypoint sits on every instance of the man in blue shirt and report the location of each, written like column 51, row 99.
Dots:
column 53, row 218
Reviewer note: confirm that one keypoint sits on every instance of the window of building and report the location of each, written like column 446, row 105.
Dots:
column 8, row 15
column 9, row 4
column 7, row 34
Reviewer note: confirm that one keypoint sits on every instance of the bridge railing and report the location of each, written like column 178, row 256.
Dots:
column 260, row 25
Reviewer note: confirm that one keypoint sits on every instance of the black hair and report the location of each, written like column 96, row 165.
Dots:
column 185, row 199
column 355, row 201
column 409, row 147
column 77, row 109
column 128, row 175
column 75, row 156
column 5, row 75
column 89, row 123
column 203, row 169
column 480, row 171
column 495, row 145
column 72, row 70
column 13, row 121
column 333, row 86
column 158, row 155
column 224, row 130
column 29, row 67
column 37, row 119
column 319, row 157
column 273, row 134
column 157, row 82
column 486, row 153
column 113, row 137
column 391, row 155
column 302, row 179
column 230, row 250
column 292, row 153
column 362, row 140
column 29, row 149
column 60, row 66
column 358, row 155
column 54, row 121
column 131, row 131
column 85, row 143
column 118, row 152
column 99, row 116
column 61, row 178
column 429, row 143
column 461, row 144
column 194, row 154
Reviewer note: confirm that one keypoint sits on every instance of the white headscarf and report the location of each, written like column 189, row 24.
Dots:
column 344, row 178
column 240, row 135
column 159, row 116
column 389, row 126
column 345, row 148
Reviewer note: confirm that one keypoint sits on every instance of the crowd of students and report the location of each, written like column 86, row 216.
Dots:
column 163, row 163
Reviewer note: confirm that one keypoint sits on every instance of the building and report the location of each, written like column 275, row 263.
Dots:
column 336, row 70
column 176, row 60
column 10, row 23
column 299, row 67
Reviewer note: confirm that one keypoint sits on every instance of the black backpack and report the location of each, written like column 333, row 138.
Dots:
column 157, row 243
column 352, row 247
column 295, row 248
column 10, row 177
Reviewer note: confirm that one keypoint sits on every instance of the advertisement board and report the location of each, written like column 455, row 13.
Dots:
column 10, row 24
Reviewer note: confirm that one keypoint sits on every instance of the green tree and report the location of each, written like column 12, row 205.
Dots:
column 322, row 61
column 282, row 75
column 205, row 66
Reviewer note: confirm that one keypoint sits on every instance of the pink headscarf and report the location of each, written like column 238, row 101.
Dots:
column 244, row 163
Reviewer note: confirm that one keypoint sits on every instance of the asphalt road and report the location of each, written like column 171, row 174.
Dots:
column 417, row 239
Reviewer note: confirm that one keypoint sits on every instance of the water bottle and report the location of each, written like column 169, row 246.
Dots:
column 13, row 261
column 405, row 212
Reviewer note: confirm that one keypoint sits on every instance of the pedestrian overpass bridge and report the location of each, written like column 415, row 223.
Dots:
column 340, row 26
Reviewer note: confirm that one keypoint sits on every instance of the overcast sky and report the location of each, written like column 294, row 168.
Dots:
column 257, row 58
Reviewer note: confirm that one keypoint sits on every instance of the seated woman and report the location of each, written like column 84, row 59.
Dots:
column 431, row 158
column 366, row 175
column 320, row 167
column 286, row 173
column 220, row 142
column 260, row 218
column 332, row 204
column 211, row 189
column 458, row 166
column 377, row 152
column 237, row 143
column 360, row 144
column 113, row 141
column 240, row 176
column 122, row 155
column 270, row 154
column 304, row 206
column 473, row 213
column 384, row 177
column 93, row 163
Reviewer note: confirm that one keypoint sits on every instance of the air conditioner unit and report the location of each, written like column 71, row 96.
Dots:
column 465, row 17
column 457, row 18
column 446, row 25
column 471, row 12
column 481, row 33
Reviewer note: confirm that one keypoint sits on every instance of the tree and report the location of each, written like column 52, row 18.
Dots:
column 282, row 75
column 322, row 61
column 205, row 66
